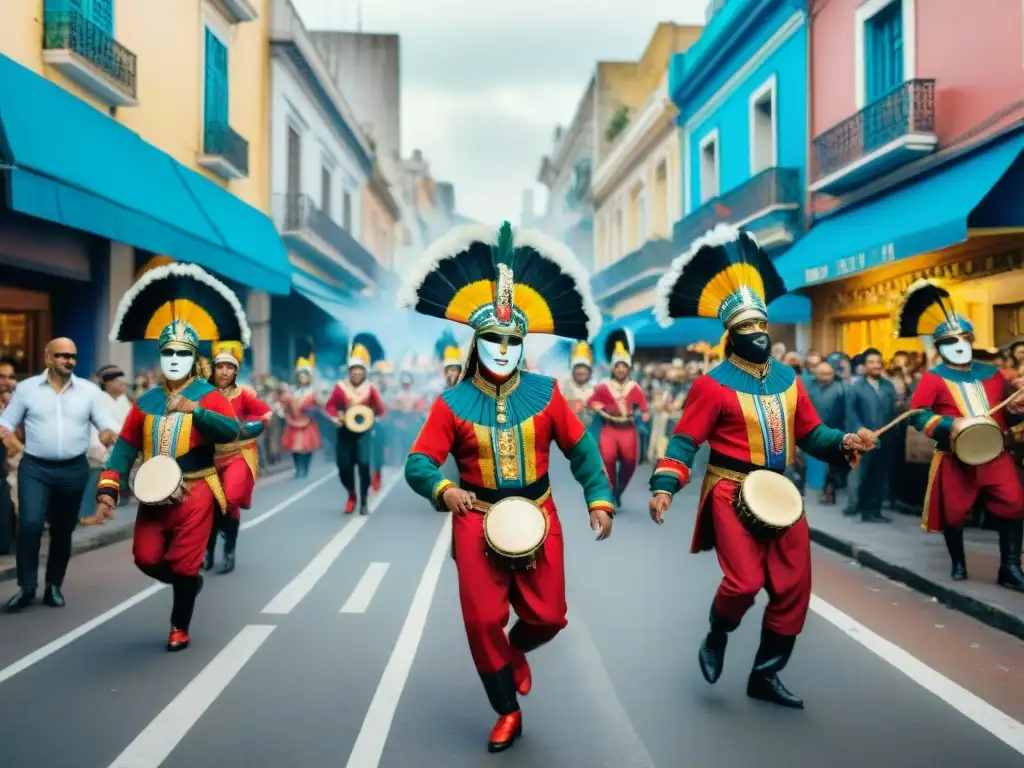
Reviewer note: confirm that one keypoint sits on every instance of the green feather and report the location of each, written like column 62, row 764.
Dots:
column 504, row 252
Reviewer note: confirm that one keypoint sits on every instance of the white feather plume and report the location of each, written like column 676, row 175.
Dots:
column 448, row 246
column 567, row 261
column 181, row 270
column 722, row 234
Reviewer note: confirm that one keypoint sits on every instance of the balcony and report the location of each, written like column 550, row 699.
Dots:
column 239, row 11
column 225, row 153
column 316, row 237
column 635, row 272
column 895, row 130
column 90, row 57
column 767, row 205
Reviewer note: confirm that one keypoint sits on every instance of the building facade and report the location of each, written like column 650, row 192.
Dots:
column 637, row 183
column 173, row 115
column 566, row 174
column 914, row 163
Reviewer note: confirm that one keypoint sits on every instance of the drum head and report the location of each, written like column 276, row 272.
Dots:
column 978, row 443
column 772, row 498
column 156, row 480
column 515, row 527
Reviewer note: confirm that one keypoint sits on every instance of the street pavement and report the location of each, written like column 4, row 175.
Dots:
column 338, row 642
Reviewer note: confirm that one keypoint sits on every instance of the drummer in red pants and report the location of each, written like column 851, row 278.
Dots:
column 616, row 402
column 237, row 462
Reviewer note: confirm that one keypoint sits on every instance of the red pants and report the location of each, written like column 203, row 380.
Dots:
column 487, row 589
column 781, row 567
column 619, row 447
column 954, row 488
column 238, row 482
column 176, row 536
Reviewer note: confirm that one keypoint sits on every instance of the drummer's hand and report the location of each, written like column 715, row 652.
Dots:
column 645, row 417
column 601, row 522
column 179, row 404
column 863, row 440
column 104, row 511
column 458, row 501
column 658, row 506
column 108, row 437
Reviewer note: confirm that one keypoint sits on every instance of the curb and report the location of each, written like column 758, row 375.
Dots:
column 994, row 616
column 107, row 537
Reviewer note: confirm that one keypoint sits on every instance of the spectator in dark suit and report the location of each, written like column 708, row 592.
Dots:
column 871, row 404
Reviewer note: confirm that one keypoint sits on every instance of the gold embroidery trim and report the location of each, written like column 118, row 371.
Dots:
column 508, row 455
column 491, row 390
column 165, row 433
column 757, row 371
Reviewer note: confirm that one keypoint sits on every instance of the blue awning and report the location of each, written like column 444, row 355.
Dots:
column 334, row 303
column 791, row 309
column 682, row 332
column 929, row 213
column 633, row 322
column 74, row 166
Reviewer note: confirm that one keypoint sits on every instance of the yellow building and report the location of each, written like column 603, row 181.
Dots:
column 637, row 175
column 158, row 142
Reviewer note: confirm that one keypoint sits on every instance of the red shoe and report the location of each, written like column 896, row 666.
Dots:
column 521, row 673
column 505, row 732
column 350, row 505
column 178, row 640
column 375, row 482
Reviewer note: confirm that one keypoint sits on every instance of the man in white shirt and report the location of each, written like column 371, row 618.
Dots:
column 56, row 409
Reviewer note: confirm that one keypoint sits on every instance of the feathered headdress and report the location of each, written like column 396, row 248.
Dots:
column 366, row 350
column 179, row 304
column 228, row 352
column 444, row 341
column 618, row 347
column 723, row 275
column 306, row 362
column 581, row 354
column 926, row 309
column 509, row 280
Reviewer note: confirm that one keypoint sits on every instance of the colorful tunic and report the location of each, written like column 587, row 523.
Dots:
column 343, row 397
column 944, row 394
column 238, row 461
column 301, row 433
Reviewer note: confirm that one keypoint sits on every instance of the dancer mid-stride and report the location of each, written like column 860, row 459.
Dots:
column 301, row 436
column 355, row 447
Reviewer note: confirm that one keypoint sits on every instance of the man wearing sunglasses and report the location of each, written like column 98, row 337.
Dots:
column 56, row 409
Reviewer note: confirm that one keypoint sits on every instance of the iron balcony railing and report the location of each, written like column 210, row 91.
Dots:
column 70, row 31
column 296, row 213
column 908, row 108
column 774, row 186
column 655, row 254
column 220, row 140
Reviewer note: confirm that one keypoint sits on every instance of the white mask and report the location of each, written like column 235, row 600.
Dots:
column 958, row 352
column 177, row 366
column 501, row 364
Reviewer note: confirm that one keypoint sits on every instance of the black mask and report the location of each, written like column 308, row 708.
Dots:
column 753, row 347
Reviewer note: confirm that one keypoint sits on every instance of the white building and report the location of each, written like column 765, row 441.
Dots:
column 320, row 160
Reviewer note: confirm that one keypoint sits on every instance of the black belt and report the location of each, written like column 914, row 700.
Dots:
column 55, row 462
column 722, row 461
column 197, row 459
column 533, row 491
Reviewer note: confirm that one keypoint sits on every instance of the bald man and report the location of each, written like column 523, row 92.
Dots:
column 56, row 409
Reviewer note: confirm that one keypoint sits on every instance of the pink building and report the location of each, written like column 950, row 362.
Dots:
column 893, row 80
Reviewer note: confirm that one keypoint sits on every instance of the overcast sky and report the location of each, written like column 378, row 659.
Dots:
column 484, row 84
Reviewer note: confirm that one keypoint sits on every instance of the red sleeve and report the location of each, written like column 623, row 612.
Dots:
column 566, row 427
column 638, row 399
column 254, row 408
column 122, row 455
column 437, row 434
column 377, row 402
column 806, row 418
column 600, row 397
column 701, row 410
column 336, row 402
column 217, row 403
column 924, row 393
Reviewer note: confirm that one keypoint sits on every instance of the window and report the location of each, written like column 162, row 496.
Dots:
column 346, row 211
column 883, row 51
column 101, row 13
column 325, row 191
column 763, row 138
column 709, row 166
column 215, row 86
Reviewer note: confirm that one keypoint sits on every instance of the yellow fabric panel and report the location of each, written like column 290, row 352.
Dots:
column 789, row 403
column 755, row 437
column 486, row 456
column 528, row 435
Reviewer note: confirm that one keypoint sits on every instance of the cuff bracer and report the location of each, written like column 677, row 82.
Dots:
column 605, row 506
column 109, row 488
column 438, row 494
column 939, row 428
column 670, row 476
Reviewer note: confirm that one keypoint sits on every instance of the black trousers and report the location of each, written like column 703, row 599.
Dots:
column 353, row 452
column 872, row 480
column 48, row 490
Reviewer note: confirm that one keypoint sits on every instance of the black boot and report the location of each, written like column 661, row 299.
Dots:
column 23, row 598
column 211, row 549
column 230, row 541
column 1011, row 532
column 772, row 657
column 501, row 693
column 711, row 655
column 955, row 544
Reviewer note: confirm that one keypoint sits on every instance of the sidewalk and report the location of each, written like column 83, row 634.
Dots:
column 905, row 553
column 89, row 537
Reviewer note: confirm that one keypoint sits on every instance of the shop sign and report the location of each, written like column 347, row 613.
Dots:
column 849, row 265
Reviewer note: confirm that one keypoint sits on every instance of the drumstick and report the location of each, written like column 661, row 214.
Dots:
column 879, row 432
column 1005, row 402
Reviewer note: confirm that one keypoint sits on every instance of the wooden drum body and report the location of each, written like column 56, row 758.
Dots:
column 359, row 419
column 976, row 440
column 515, row 529
column 159, row 482
column 768, row 504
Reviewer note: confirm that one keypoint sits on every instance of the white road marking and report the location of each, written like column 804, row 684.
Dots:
column 288, row 598
column 162, row 735
column 975, row 709
column 66, row 639
column 363, row 594
column 369, row 744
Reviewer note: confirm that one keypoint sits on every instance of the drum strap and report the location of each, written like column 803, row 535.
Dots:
column 737, row 466
column 535, row 491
